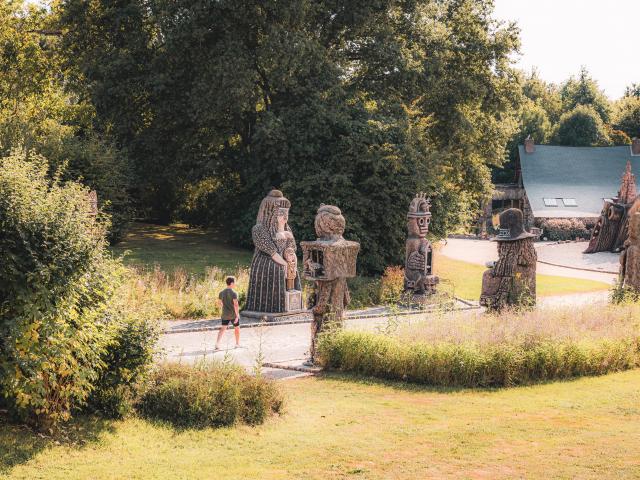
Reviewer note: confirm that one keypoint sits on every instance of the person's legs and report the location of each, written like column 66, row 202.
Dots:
column 236, row 332
column 223, row 329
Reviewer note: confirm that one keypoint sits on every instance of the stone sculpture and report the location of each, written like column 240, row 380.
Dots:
column 419, row 280
column 630, row 258
column 511, row 281
column 612, row 227
column 274, row 284
column 328, row 262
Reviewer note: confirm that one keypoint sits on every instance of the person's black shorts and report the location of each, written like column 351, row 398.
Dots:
column 233, row 322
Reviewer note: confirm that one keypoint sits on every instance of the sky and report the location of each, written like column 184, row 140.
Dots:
column 559, row 36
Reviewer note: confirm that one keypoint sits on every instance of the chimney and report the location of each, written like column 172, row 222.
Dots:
column 635, row 146
column 529, row 146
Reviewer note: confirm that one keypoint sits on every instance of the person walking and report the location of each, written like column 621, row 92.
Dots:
column 228, row 301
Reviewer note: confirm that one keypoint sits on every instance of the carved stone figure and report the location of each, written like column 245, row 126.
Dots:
column 630, row 258
column 418, row 272
column 511, row 281
column 274, row 284
column 328, row 262
column 612, row 227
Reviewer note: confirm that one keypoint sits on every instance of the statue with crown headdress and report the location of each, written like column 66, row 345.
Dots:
column 274, row 284
column 419, row 280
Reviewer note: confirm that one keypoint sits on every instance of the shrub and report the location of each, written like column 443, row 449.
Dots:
column 473, row 365
column 128, row 357
column 560, row 229
column 365, row 292
column 392, row 285
column 56, row 280
column 494, row 350
column 208, row 395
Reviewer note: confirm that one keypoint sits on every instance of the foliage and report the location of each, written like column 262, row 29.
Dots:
column 566, row 228
column 181, row 295
column 37, row 114
column 585, row 91
column 129, row 355
column 543, row 94
column 473, row 365
column 581, row 127
column 627, row 116
column 208, row 395
column 56, row 280
column 376, row 101
column 392, row 285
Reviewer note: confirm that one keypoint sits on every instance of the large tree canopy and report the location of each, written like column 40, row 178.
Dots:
column 355, row 103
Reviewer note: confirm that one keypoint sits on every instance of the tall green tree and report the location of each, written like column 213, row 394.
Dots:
column 627, row 116
column 584, row 90
column 355, row 103
column 38, row 115
column 581, row 127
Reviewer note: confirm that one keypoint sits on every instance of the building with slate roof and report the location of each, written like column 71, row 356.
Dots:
column 564, row 182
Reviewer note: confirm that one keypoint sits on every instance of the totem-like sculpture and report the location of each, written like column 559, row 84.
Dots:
column 419, row 280
column 274, row 284
column 511, row 281
column 328, row 261
column 612, row 227
column 630, row 258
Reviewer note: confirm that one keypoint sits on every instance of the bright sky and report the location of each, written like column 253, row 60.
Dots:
column 559, row 36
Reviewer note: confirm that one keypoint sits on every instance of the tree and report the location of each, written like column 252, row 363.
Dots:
column 585, row 91
column 543, row 94
column 627, row 116
column 355, row 103
column 632, row 90
column 37, row 114
column 581, row 127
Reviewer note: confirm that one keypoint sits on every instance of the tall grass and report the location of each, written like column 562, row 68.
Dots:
column 181, row 295
column 493, row 351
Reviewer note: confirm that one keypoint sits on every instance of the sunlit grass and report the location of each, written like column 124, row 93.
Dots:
column 340, row 428
column 466, row 280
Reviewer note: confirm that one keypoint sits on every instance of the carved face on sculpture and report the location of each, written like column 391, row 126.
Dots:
column 282, row 218
column 274, row 212
column 419, row 216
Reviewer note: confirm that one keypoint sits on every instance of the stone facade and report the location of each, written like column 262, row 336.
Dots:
column 328, row 262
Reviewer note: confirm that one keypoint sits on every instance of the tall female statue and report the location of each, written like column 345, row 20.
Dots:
column 274, row 285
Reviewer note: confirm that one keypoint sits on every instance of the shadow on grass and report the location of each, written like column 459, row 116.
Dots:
column 19, row 444
column 407, row 386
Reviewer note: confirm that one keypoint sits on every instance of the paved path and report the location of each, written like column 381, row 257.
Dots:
column 482, row 251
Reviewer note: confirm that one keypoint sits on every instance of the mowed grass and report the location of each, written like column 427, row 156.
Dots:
column 179, row 246
column 337, row 428
column 465, row 279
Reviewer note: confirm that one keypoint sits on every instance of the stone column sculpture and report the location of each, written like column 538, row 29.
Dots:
column 511, row 281
column 630, row 258
column 328, row 262
column 274, row 284
column 419, row 281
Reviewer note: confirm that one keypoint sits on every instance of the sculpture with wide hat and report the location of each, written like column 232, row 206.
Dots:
column 511, row 227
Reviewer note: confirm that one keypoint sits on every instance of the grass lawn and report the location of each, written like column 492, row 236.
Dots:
column 466, row 279
column 178, row 246
column 338, row 428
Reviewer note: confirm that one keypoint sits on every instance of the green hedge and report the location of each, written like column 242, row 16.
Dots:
column 472, row 365
column 208, row 395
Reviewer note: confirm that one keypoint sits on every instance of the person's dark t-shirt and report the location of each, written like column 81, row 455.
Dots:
column 228, row 296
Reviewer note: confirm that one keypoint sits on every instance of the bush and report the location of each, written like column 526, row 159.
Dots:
column 560, row 229
column 473, row 365
column 56, row 281
column 208, row 395
column 392, row 285
column 128, row 357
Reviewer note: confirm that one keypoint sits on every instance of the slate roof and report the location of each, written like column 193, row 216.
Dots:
column 588, row 174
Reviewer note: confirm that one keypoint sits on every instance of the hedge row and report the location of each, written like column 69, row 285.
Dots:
column 472, row 365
